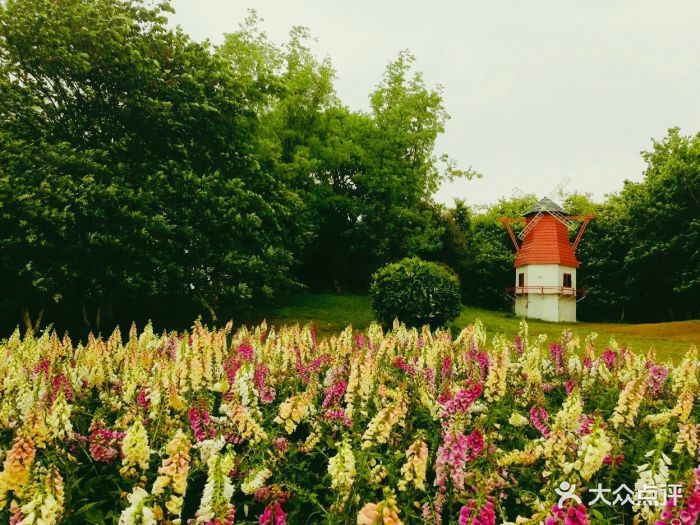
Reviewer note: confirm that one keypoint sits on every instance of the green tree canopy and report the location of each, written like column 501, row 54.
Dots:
column 129, row 164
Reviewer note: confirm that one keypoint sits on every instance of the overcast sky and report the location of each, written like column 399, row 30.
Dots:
column 537, row 90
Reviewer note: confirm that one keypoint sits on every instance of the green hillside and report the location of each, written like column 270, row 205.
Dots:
column 332, row 313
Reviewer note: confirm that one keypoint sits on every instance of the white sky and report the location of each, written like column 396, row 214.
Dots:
column 537, row 89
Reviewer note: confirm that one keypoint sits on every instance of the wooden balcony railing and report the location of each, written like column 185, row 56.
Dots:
column 546, row 290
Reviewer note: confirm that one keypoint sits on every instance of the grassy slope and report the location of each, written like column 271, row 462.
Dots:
column 332, row 313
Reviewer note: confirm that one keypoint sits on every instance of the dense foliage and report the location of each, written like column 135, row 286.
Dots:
column 128, row 169
column 144, row 174
column 367, row 178
column 415, row 292
column 270, row 427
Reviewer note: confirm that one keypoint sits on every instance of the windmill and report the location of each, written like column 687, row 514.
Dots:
column 545, row 262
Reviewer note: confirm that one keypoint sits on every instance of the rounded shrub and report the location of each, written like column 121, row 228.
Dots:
column 416, row 292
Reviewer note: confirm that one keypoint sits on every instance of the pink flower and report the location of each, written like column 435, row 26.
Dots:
column 170, row 348
column 617, row 460
column 518, row 344
column 446, row 367
column 334, row 393
column 470, row 515
column 273, row 515
column 657, row 379
column 584, row 426
column 539, row 417
column 267, row 393
column 105, row 444
column 572, row 515
column 401, row 364
column 245, row 350
column 231, row 366
column 281, row 444
column 609, row 357
column 338, row 415
column 142, row 399
column 556, row 352
column 456, row 451
column 461, row 401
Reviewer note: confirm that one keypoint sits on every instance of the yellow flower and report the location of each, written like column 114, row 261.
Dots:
column 687, row 439
column 385, row 512
column 218, row 491
column 246, row 426
column 135, row 450
column 629, row 402
column 173, row 472
column 415, row 467
column 341, row 467
column 16, row 468
column 594, row 447
column 495, row 387
column 293, row 411
column 255, row 480
column 518, row 420
column 380, row 427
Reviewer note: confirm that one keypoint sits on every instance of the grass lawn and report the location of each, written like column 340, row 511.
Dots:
column 332, row 313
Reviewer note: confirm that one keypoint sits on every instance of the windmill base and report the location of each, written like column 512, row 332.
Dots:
column 547, row 307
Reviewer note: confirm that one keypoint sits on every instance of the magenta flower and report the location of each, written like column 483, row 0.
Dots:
column 658, row 374
column 572, row 515
column 245, row 350
column 609, row 357
column 539, row 417
column 556, row 352
column 273, row 515
column 334, row 393
column 199, row 422
column 689, row 514
column 470, row 515
column 461, row 401
column 401, row 364
column 105, row 444
column 456, row 451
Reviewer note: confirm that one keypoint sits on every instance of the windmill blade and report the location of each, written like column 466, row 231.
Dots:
column 562, row 219
column 517, row 192
column 530, row 225
column 556, row 192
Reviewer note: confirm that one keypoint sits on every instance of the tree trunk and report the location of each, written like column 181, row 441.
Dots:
column 85, row 316
column 212, row 312
column 29, row 325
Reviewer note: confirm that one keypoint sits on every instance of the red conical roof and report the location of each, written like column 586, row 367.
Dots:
column 547, row 243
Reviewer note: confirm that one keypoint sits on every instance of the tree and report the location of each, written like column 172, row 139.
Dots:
column 366, row 179
column 131, row 165
column 663, row 228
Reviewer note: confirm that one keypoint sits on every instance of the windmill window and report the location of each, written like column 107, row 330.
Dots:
column 521, row 279
column 567, row 280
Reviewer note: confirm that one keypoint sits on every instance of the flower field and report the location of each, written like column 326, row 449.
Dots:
column 400, row 426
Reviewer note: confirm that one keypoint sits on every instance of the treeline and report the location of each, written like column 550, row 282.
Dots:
column 145, row 175
column 640, row 256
